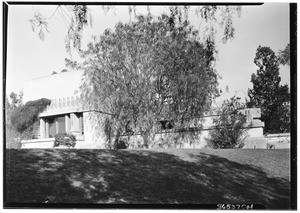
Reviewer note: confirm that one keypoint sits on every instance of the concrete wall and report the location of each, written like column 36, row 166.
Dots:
column 47, row 143
column 38, row 143
column 188, row 140
column 95, row 138
column 170, row 139
column 93, row 131
column 53, row 86
column 279, row 141
column 177, row 140
column 255, row 143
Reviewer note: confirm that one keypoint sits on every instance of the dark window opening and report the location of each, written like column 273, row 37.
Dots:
column 61, row 124
column 166, row 124
column 52, row 127
column 81, row 126
column 56, row 125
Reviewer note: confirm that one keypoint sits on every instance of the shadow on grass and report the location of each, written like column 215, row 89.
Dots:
column 138, row 177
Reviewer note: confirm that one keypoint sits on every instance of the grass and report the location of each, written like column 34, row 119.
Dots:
column 162, row 176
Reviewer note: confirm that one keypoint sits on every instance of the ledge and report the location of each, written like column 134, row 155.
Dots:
column 46, row 140
column 60, row 111
column 278, row 135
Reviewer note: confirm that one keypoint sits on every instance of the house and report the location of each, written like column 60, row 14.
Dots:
column 66, row 114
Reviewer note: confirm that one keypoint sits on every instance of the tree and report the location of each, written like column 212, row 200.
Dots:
column 229, row 126
column 285, row 55
column 268, row 94
column 16, row 100
column 11, row 104
column 146, row 71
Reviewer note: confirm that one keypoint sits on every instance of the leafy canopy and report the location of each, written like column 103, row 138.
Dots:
column 146, row 71
column 268, row 94
column 285, row 56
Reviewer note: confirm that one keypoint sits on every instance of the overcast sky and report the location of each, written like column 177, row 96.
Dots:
column 28, row 57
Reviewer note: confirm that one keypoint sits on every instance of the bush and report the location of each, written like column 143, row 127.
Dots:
column 13, row 140
column 229, row 127
column 65, row 139
column 24, row 117
column 120, row 144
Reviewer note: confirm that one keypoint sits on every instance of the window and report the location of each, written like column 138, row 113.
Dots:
column 64, row 123
column 166, row 124
column 52, row 127
column 61, row 120
column 81, row 127
column 56, row 125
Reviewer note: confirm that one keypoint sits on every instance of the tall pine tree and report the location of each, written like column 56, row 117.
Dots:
column 268, row 94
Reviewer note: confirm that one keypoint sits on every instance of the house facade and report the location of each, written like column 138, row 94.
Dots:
column 66, row 114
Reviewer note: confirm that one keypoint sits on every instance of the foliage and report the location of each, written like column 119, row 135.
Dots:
column 78, row 21
column 146, row 71
column 65, row 139
column 16, row 100
column 120, row 144
column 229, row 127
column 268, row 94
column 12, row 136
column 23, row 118
column 285, row 55
column 78, row 17
column 32, row 131
column 39, row 22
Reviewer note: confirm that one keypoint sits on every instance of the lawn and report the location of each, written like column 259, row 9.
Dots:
column 162, row 176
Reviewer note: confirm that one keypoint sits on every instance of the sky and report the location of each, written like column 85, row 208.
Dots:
column 29, row 57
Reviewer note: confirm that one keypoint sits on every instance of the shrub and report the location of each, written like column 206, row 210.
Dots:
column 65, row 139
column 12, row 138
column 24, row 117
column 229, row 127
column 120, row 144
column 31, row 132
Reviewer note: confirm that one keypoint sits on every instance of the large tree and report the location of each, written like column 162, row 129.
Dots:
column 146, row 71
column 268, row 94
